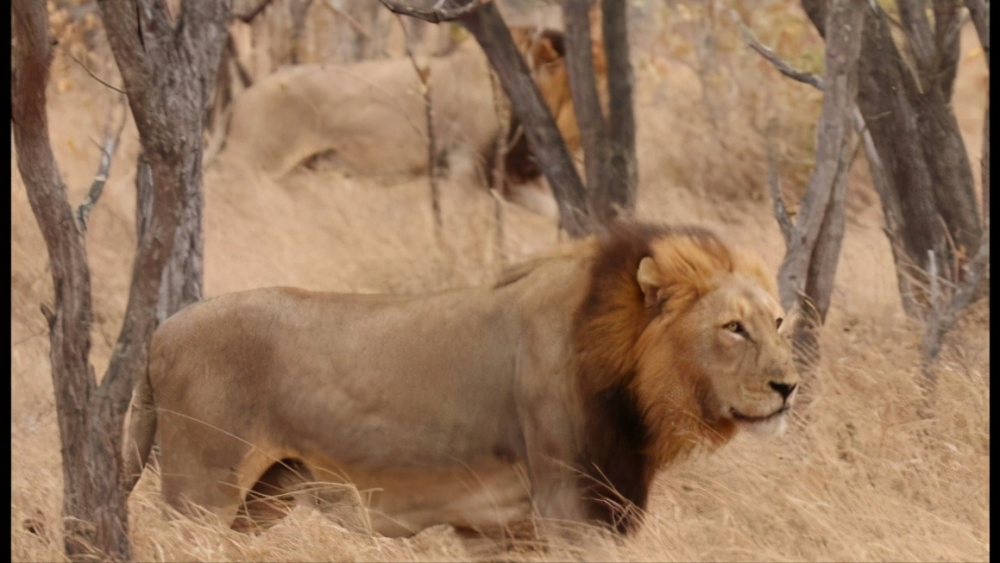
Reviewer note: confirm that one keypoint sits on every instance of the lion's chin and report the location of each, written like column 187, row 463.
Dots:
column 771, row 426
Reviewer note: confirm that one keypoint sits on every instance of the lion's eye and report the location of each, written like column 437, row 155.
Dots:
column 735, row 327
column 777, row 323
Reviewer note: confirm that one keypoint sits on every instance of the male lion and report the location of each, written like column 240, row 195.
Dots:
column 369, row 118
column 585, row 371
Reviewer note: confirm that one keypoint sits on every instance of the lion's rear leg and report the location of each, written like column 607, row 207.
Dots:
column 272, row 496
column 206, row 471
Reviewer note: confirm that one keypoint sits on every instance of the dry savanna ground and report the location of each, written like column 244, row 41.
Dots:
column 859, row 476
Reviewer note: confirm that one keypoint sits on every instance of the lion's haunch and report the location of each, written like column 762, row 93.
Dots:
column 586, row 371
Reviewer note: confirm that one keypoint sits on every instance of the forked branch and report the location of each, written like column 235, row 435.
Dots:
column 942, row 314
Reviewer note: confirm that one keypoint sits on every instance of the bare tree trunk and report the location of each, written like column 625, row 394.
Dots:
column 69, row 324
column 181, row 284
column 623, row 172
column 806, row 275
column 90, row 415
column 979, row 10
column 929, row 174
column 487, row 26
column 172, row 79
column 586, row 103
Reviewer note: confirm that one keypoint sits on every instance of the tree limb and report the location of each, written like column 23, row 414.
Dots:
column 436, row 14
column 97, row 187
column 771, row 57
column 92, row 75
column 583, row 88
column 941, row 318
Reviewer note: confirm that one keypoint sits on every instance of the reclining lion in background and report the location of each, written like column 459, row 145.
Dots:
column 369, row 118
column 586, row 371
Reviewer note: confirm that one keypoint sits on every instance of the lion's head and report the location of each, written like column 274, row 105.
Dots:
column 680, row 341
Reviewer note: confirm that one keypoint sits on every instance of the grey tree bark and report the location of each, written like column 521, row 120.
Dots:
column 586, row 102
column 916, row 136
column 805, row 278
column 168, row 74
column 980, row 13
column 619, row 194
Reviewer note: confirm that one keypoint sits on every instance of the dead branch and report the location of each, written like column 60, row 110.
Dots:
column 92, row 75
column 108, row 149
column 780, row 208
column 438, row 13
column 941, row 316
column 424, row 77
column 771, row 57
column 250, row 15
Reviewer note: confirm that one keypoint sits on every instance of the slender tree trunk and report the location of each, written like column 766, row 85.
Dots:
column 69, row 323
column 623, row 172
column 487, row 26
column 806, row 275
column 586, row 103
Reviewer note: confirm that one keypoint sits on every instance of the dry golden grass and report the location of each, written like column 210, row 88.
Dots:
column 860, row 475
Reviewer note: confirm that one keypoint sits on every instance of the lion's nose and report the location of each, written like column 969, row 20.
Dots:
column 785, row 389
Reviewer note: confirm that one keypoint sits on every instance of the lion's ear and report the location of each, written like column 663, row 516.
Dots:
column 650, row 280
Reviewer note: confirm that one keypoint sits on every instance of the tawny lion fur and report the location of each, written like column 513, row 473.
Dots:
column 369, row 118
column 557, row 392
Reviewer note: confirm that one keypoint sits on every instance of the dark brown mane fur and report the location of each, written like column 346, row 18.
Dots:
column 617, row 470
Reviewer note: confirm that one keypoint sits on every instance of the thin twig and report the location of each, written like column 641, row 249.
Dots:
column 780, row 209
column 97, row 187
column 437, row 13
column 424, row 77
column 771, row 57
column 92, row 75
column 253, row 13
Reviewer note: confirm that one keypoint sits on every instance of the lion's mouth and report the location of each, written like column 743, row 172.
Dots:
column 740, row 417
